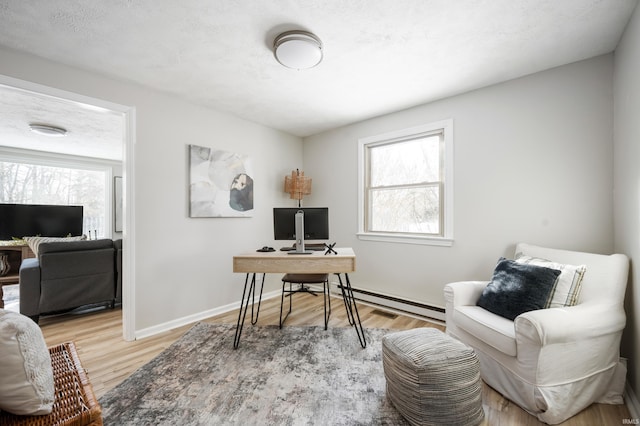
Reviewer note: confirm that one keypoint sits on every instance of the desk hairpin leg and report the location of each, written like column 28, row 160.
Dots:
column 253, row 299
column 352, row 310
column 250, row 293
column 347, row 302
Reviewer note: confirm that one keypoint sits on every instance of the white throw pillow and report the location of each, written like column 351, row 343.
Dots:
column 26, row 375
column 566, row 290
column 34, row 242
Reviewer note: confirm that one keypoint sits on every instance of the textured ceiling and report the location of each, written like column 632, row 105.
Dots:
column 92, row 132
column 379, row 55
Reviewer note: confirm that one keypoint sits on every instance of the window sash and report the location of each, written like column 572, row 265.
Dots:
column 420, row 159
column 371, row 190
column 431, row 224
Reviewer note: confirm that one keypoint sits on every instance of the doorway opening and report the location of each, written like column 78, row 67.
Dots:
column 97, row 129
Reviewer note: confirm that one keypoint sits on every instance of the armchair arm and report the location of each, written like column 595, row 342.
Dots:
column 463, row 293
column 30, row 287
column 574, row 323
column 562, row 344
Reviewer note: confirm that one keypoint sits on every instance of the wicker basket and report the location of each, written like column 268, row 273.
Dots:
column 75, row 403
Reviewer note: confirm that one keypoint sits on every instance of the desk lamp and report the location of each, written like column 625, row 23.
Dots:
column 297, row 185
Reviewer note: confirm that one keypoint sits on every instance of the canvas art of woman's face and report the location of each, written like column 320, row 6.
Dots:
column 241, row 195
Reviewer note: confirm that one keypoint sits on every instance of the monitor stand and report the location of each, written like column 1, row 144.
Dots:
column 300, row 246
column 299, row 235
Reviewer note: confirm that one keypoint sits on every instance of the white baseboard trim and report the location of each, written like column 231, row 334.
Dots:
column 631, row 400
column 190, row 319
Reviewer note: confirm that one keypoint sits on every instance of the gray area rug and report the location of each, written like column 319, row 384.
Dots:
column 293, row 376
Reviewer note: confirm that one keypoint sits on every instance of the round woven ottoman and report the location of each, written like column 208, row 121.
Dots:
column 432, row 379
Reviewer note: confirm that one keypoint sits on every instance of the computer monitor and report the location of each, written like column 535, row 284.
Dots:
column 315, row 224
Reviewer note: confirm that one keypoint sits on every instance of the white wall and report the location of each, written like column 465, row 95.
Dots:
column 533, row 163
column 183, row 265
column 627, row 182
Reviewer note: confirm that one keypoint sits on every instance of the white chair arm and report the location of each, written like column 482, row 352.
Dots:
column 574, row 323
column 464, row 293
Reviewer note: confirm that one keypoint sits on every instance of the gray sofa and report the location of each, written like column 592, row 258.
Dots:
column 71, row 274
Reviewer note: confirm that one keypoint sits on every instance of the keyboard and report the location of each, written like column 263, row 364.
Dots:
column 307, row 247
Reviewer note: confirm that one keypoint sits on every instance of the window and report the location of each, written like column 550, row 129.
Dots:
column 25, row 181
column 406, row 185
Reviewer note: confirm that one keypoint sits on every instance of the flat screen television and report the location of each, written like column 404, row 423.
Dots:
column 316, row 223
column 26, row 220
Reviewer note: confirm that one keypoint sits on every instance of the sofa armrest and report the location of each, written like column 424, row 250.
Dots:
column 463, row 293
column 30, row 287
column 573, row 323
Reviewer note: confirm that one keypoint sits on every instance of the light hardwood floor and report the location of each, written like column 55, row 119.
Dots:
column 109, row 359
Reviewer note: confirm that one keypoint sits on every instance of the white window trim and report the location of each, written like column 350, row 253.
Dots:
column 447, row 239
column 72, row 162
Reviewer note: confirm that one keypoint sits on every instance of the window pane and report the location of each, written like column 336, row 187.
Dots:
column 36, row 184
column 414, row 161
column 406, row 210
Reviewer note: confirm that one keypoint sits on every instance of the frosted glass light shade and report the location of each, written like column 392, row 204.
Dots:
column 298, row 49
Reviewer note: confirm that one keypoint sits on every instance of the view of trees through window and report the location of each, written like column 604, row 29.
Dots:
column 22, row 183
column 405, row 186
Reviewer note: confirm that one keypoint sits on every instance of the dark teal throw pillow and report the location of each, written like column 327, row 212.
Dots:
column 516, row 288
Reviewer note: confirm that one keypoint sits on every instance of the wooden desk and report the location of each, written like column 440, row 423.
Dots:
column 280, row 262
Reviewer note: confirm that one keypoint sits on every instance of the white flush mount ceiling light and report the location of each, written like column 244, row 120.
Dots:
column 47, row 130
column 298, row 49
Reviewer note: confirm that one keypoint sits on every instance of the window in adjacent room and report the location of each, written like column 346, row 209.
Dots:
column 406, row 185
column 24, row 181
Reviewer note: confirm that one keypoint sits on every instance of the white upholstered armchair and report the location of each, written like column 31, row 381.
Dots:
column 552, row 362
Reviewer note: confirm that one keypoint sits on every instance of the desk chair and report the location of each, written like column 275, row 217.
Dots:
column 303, row 279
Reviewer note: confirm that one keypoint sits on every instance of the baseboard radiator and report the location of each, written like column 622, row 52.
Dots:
column 393, row 303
